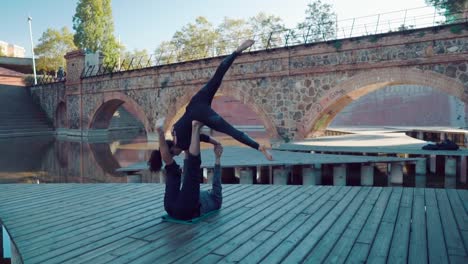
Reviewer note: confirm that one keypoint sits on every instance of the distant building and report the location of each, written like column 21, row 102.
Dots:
column 10, row 77
column 12, row 50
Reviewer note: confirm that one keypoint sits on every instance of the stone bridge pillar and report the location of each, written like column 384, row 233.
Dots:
column 75, row 65
column 73, row 92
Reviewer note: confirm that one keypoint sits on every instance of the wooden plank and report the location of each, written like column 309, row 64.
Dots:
column 366, row 237
column 124, row 246
column 223, row 220
column 41, row 199
column 258, row 223
column 225, row 234
column 244, row 248
column 114, row 229
column 71, row 234
column 317, row 200
column 460, row 215
column 44, row 211
column 46, row 216
column 464, row 197
column 225, row 248
column 437, row 248
column 293, row 247
column 344, row 245
column 418, row 238
column 359, row 253
column 370, row 228
column 216, row 228
column 169, row 230
column 248, row 157
column 328, row 240
column 451, row 230
column 74, row 217
column 210, row 258
column 110, row 235
column 305, row 146
column 382, row 242
column 400, row 242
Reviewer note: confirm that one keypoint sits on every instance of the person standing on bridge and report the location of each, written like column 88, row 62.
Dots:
column 199, row 108
column 188, row 202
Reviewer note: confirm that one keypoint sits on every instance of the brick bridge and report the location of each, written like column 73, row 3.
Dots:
column 295, row 91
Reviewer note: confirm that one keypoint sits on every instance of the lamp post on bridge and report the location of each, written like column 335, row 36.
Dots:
column 32, row 50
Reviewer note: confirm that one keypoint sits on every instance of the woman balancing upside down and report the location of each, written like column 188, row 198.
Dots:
column 199, row 108
column 189, row 202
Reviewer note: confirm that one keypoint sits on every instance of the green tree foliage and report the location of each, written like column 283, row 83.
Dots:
column 195, row 40
column 165, row 53
column 268, row 29
column 52, row 47
column 200, row 39
column 94, row 28
column 453, row 10
column 319, row 23
column 135, row 60
column 231, row 33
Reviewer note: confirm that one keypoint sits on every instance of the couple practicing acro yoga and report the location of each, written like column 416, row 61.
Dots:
column 188, row 202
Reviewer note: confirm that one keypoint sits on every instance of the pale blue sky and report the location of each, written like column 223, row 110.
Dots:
column 143, row 24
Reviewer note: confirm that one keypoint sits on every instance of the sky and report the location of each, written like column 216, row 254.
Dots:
column 143, row 24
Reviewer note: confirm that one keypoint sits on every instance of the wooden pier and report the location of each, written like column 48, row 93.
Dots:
column 121, row 223
column 452, row 163
column 246, row 161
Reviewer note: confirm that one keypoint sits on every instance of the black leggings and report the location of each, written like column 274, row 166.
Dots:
column 200, row 106
column 184, row 203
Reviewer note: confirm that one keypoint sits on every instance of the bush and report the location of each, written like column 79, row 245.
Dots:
column 29, row 80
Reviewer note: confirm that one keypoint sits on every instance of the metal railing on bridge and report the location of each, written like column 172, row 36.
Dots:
column 402, row 20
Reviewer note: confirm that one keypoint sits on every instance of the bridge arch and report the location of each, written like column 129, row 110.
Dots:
column 177, row 110
column 103, row 110
column 322, row 113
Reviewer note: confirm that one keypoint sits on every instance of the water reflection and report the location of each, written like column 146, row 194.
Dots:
column 54, row 160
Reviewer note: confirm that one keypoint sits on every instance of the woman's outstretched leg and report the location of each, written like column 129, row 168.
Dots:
column 207, row 93
column 213, row 120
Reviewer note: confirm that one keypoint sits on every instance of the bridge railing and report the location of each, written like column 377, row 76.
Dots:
column 401, row 20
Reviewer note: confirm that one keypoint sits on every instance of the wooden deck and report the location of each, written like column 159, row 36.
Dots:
column 121, row 223
column 248, row 157
column 310, row 146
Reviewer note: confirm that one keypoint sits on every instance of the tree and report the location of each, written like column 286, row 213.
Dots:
column 319, row 23
column 231, row 33
column 165, row 53
column 453, row 10
column 268, row 29
column 135, row 60
column 94, row 28
column 195, row 40
column 52, row 47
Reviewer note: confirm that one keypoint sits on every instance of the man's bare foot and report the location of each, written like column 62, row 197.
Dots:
column 160, row 124
column 246, row 44
column 265, row 152
column 197, row 124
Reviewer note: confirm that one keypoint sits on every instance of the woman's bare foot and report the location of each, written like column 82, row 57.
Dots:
column 246, row 44
column 265, row 152
column 160, row 124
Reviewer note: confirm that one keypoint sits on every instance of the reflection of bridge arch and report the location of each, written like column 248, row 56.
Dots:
column 61, row 115
column 177, row 110
column 105, row 109
column 104, row 158
column 321, row 114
